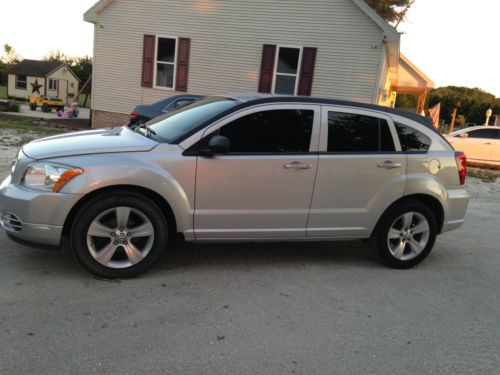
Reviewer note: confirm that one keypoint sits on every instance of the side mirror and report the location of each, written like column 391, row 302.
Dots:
column 463, row 135
column 218, row 145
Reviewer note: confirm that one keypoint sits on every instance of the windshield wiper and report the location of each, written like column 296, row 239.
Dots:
column 148, row 128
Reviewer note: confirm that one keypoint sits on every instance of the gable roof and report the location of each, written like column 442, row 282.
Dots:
column 35, row 68
column 391, row 34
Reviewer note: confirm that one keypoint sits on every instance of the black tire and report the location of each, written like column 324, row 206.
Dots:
column 45, row 108
column 33, row 106
column 107, row 201
column 380, row 243
column 60, row 109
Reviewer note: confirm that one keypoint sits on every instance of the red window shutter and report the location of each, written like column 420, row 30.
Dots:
column 307, row 71
column 267, row 68
column 182, row 64
column 148, row 60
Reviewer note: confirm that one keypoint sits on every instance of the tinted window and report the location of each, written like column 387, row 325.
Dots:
column 349, row 132
column 271, row 131
column 173, row 125
column 411, row 139
column 484, row 133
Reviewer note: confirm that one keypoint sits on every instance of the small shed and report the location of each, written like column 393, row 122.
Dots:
column 37, row 78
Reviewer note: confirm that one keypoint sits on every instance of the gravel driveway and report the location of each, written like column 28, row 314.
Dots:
column 314, row 308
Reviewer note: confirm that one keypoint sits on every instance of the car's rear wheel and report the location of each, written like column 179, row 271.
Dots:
column 119, row 235
column 45, row 108
column 33, row 106
column 405, row 235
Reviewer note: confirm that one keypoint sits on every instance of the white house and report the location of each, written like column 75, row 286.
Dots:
column 147, row 50
column 36, row 78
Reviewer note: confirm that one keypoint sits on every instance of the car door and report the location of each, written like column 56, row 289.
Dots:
column 361, row 171
column 263, row 187
column 476, row 143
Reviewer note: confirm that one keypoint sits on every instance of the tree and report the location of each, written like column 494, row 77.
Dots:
column 10, row 56
column 474, row 103
column 59, row 56
column 393, row 11
column 82, row 66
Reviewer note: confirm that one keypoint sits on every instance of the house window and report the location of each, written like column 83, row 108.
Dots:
column 287, row 68
column 166, row 54
column 21, row 81
column 52, row 84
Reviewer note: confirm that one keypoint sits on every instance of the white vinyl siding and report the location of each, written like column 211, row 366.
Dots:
column 226, row 46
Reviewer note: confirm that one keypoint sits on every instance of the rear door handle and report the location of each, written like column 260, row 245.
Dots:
column 296, row 165
column 389, row 164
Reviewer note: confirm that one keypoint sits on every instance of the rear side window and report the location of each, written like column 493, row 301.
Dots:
column 349, row 132
column 411, row 139
column 287, row 130
column 484, row 133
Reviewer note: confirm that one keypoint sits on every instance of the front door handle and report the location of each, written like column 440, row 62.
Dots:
column 389, row 164
column 488, row 143
column 296, row 165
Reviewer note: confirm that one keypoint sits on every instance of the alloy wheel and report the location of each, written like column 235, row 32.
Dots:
column 408, row 235
column 120, row 237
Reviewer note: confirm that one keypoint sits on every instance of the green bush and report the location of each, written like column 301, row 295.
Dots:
column 13, row 107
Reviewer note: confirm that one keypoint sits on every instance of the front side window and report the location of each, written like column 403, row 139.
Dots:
column 274, row 131
column 52, row 84
column 350, row 132
column 287, row 69
column 412, row 140
column 484, row 133
column 165, row 62
column 21, row 81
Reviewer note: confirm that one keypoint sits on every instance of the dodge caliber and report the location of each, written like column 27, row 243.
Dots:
column 243, row 168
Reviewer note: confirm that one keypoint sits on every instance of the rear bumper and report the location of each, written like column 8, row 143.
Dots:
column 456, row 207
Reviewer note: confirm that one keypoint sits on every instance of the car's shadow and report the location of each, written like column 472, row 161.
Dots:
column 240, row 256
column 245, row 255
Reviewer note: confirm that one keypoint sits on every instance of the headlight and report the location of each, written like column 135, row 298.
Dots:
column 49, row 176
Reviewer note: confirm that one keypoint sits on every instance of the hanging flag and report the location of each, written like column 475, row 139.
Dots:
column 434, row 114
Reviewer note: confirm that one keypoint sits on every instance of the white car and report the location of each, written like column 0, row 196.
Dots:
column 481, row 144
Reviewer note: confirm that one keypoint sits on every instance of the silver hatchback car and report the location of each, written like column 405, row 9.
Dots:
column 242, row 168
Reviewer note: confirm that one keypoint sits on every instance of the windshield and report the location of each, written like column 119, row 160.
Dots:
column 173, row 125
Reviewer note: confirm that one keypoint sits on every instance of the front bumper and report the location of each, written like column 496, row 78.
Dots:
column 456, row 207
column 34, row 216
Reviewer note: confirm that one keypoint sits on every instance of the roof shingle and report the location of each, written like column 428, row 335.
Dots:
column 35, row 68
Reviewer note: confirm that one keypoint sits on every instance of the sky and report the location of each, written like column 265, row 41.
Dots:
column 454, row 42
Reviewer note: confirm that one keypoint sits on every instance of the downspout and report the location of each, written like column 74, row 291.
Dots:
column 376, row 90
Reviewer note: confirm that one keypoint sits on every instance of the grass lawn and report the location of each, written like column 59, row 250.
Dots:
column 3, row 91
column 29, row 126
column 81, row 100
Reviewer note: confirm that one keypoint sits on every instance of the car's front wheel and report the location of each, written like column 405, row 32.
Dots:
column 119, row 235
column 405, row 235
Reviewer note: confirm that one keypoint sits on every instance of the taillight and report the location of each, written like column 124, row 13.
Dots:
column 461, row 165
column 133, row 114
